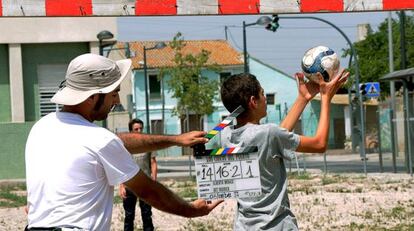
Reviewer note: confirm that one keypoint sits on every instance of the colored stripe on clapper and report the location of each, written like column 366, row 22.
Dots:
column 224, row 123
column 231, row 151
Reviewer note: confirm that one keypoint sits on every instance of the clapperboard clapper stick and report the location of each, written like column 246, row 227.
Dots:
column 200, row 149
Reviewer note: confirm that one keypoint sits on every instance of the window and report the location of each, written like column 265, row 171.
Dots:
column 270, row 99
column 49, row 77
column 154, row 87
column 224, row 76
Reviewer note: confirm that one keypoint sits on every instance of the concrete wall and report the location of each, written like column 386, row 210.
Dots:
column 14, row 136
column 54, row 30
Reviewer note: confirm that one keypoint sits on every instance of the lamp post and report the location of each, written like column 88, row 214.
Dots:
column 262, row 21
column 159, row 45
column 104, row 35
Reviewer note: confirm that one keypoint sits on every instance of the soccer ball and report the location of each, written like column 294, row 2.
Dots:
column 320, row 59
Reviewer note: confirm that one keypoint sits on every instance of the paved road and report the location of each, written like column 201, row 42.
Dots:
column 343, row 163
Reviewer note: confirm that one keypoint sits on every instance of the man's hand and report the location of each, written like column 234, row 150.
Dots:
column 191, row 138
column 203, row 207
column 328, row 90
column 307, row 90
column 122, row 191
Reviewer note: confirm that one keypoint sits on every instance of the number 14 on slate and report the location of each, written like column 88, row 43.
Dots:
column 227, row 170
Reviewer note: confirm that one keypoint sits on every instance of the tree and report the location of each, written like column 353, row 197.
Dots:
column 193, row 91
column 373, row 51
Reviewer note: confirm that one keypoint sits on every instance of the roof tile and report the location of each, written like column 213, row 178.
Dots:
column 222, row 53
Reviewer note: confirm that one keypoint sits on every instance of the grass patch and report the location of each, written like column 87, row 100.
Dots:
column 355, row 226
column 117, row 199
column 188, row 192
column 329, row 180
column 303, row 188
column 209, row 225
column 397, row 212
column 186, row 189
column 358, row 190
column 402, row 227
column 299, row 176
column 9, row 198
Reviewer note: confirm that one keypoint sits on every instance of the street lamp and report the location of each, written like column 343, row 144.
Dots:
column 159, row 45
column 262, row 21
column 105, row 35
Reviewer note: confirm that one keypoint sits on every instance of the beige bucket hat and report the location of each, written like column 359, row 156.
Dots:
column 90, row 74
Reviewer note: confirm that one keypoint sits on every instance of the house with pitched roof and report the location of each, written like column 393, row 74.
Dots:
column 280, row 88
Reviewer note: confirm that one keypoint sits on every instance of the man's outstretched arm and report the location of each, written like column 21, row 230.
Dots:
column 139, row 143
column 164, row 199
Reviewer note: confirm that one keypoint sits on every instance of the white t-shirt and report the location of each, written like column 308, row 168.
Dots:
column 72, row 166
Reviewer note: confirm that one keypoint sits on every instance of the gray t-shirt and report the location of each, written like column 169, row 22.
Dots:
column 144, row 161
column 270, row 211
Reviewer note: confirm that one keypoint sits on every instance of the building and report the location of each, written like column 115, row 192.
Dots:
column 34, row 55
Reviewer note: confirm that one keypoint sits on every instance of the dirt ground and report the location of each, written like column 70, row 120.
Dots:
column 332, row 202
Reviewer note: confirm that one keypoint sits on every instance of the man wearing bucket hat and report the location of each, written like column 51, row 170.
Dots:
column 72, row 165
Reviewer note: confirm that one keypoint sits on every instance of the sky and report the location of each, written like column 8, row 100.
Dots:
column 282, row 49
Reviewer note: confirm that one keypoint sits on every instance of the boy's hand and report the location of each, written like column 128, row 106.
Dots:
column 307, row 90
column 328, row 90
column 191, row 138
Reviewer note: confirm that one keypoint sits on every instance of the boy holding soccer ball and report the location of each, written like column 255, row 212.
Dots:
column 271, row 210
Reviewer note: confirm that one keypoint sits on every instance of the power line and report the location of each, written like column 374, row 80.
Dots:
column 233, row 40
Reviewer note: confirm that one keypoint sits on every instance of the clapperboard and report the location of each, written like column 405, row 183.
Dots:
column 227, row 172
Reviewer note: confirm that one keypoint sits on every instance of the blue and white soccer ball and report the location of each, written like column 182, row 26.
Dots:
column 320, row 59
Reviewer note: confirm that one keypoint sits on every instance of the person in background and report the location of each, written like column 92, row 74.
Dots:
column 148, row 163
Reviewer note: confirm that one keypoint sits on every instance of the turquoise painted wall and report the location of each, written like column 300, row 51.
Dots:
column 35, row 54
column 172, row 122
column 14, row 136
column 336, row 112
column 5, row 112
column 274, row 81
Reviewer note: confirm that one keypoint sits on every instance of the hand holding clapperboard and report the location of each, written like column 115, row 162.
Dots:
column 231, row 172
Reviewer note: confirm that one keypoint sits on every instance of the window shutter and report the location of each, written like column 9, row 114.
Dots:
column 49, row 77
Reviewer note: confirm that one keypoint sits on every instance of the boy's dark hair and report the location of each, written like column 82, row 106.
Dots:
column 237, row 89
column 134, row 121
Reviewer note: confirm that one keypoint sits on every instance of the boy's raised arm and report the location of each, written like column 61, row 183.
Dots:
column 318, row 143
column 306, row 92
